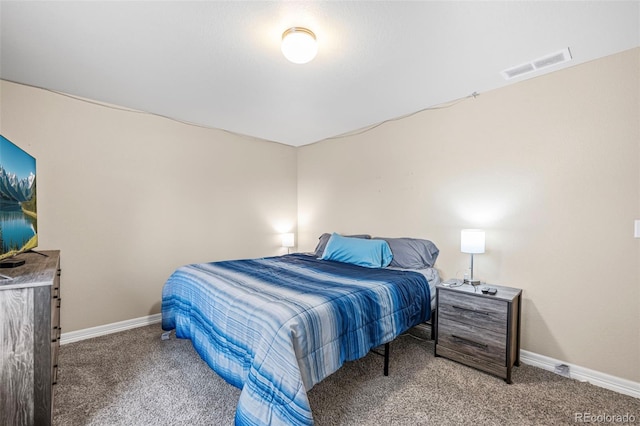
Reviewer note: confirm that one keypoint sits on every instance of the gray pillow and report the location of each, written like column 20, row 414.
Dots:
column 411, row 253
column 324, row 238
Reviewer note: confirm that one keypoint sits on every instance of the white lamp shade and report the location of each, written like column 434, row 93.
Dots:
column 299, row 45
column 472, row 241
column 288, row 240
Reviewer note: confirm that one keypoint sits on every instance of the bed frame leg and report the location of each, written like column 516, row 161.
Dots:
column 386, row 359
column 387, row 349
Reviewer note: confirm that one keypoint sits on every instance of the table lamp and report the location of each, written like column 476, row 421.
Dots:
column 288, row 241
column 472, row 242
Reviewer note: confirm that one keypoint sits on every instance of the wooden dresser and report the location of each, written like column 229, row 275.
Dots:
column 479, row 330
column 29, row 338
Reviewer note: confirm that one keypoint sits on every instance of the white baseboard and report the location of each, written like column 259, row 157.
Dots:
column 102, row 330
column 583, row 374
column 607, row 381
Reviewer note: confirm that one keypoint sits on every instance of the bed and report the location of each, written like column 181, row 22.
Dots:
column 276, row 326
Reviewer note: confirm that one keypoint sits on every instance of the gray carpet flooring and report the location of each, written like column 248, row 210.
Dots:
column 135, row 378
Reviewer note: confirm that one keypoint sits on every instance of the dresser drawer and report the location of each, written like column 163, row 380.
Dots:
column 490, row 314
column 55, row 312
column 54, row 375
column 481, row 343
column 55, row 347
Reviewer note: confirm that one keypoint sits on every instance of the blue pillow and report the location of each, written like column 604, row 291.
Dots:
column 324, row 239
column 358, row 251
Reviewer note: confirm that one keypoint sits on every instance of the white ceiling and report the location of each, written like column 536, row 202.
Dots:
column 219, row 64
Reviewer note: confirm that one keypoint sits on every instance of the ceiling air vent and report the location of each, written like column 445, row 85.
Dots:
column 546, row 61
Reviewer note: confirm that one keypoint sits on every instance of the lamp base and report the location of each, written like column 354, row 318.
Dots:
column 472, row 282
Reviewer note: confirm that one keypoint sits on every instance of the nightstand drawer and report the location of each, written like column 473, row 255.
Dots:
column 477, row 311
column 480, row 343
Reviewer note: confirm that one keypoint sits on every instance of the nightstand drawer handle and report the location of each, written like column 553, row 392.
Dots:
column 470, row 342
column 469, row 310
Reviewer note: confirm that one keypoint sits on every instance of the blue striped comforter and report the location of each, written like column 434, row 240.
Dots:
column 274, row 327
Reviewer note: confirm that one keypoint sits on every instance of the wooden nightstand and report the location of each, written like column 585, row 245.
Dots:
column 479, row 330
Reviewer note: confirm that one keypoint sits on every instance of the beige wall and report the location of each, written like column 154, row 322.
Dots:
column 549, row 167
column 128, row 197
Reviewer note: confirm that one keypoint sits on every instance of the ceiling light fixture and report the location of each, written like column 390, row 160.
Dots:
column 299, row 45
